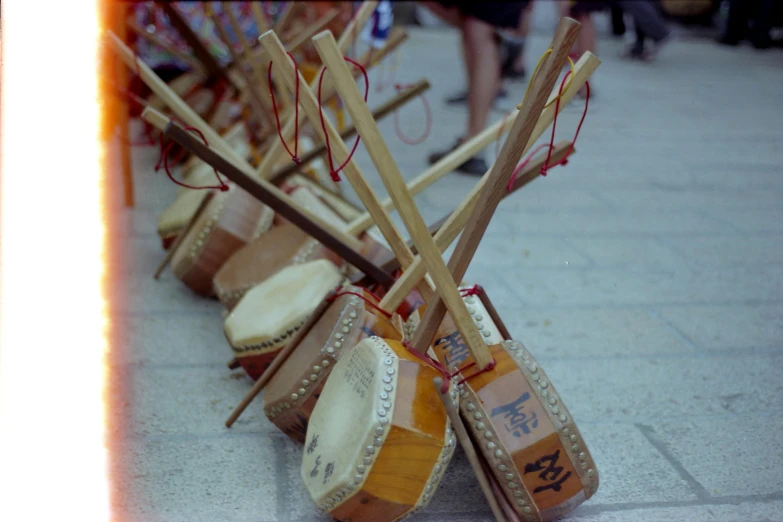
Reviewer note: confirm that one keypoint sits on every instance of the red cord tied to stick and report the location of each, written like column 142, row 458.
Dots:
column 564, row 161
column 165, row 152
column 334, row 172
column 427, row 115
column 295, row 154
column 341, row 291
column 473, row 290
column 440, row 368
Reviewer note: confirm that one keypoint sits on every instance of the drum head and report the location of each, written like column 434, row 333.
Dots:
column 267, row 312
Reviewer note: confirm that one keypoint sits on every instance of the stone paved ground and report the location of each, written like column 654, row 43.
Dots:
column 644, row 276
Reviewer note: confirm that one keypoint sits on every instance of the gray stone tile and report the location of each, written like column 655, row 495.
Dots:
column 182, row 400
column 522, row 252
column 728, row 327
column 591, row 332
column 630, row 469
column 641, row 253
column 196, row 479
column 654, row 389
column 748, row 511
column 169, row 339
column 735, row 456
column 729, row 250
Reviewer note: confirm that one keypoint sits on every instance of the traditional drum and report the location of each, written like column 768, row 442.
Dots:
column 351, row 316
column 523, row 430
column 269, row 314
column 381, row 454
column 228, row 222
column 281, row 246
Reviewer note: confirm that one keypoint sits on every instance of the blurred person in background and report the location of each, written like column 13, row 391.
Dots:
column 478, row 23
column 748, row 19
column 649, row 25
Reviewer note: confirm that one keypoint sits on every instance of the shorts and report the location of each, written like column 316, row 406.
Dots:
column 581, row 7
column 501, row 15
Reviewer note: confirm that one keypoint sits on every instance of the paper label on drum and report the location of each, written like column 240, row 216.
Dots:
column 548, row 473
column 339, row 447
column 515, row 412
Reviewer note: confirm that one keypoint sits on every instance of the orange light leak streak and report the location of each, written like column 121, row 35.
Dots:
column 53, row 339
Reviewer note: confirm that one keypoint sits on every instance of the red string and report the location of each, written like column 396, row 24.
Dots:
column 294, row 155
column 222, row 185
column 341, row 292
column 332, row 171
column 473, row 290
column 434, row 364
column 427, row 115
column 489, row 367
column 564, row 160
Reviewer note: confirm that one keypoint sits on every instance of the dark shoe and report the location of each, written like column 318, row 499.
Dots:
column 507, row 69
column 462, row 97
column 475, row 166
column 728, row 40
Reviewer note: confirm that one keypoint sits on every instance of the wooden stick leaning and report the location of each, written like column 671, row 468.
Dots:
column 170, row 254
column 340, row 151
column 274, row 154
column 524, row 124
column 469, row 449
column 256, row 101
column 392, row 178
column 459, row 219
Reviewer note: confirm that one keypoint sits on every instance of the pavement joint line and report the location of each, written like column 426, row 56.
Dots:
column 660, row 445
column 687, row 341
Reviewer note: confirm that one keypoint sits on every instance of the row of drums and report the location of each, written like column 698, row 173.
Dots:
column 376, row 437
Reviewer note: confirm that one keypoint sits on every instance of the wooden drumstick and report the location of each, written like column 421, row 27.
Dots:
column 469, row 449
column 256, row 101
column 498, row 179
column 184, row 232
column 403, row 200
column 345, row 246
column 305, row 34
column 311, row 107
column 459, row 218
column 279, row 359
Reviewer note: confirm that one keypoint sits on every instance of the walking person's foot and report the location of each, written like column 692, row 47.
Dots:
column 475, row 166
column 462, row 97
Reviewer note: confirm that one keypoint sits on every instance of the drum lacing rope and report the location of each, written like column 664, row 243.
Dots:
column 334, row 173
column 473, row 290
column 295, row 154
column 427, row 122
column 341, row 291
column 564, row 161
column 440, row 368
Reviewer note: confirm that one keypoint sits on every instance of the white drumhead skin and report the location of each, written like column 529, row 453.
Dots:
column 281, row 302
column 177, row 215
column 350, row 422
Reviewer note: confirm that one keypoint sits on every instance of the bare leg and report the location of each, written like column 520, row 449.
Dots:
column 523, row 32
column 485, row 79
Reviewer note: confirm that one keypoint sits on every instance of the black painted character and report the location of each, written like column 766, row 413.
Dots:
column 517, row 421
column 550, row 472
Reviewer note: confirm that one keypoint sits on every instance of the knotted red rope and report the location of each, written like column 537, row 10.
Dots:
column 221, row 186
column 473, row 290
column 294, row 155
column 564, row 161
column 334, row 173
column 427, row 115
column 440, row 368
column 341, row 291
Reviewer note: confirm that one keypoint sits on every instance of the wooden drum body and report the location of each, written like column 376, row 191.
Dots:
column 522, row 429
column 283, row 245
column 291, row 394
column 269, row 314
column 379, row 438
column 229, row 221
